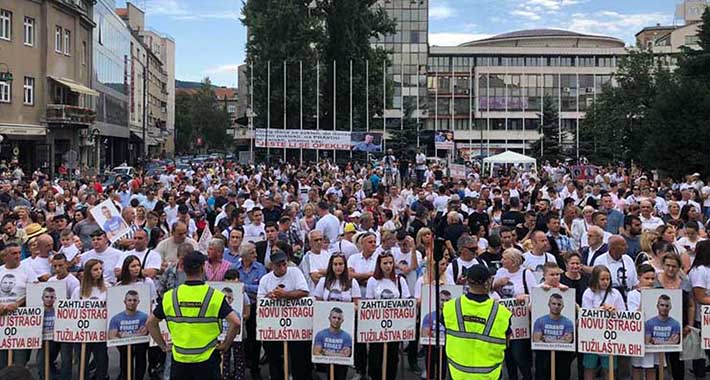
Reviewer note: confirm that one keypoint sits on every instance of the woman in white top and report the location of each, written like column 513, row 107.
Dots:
column 385, row 284
column 337, row 286
column 132, row 273
column 93, row 287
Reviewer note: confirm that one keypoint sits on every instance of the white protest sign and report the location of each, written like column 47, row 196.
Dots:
column 234, row 294
column 302, row 138
column 80, row 321
column 705, row 326
column 284, row 320
column 45, row 295
column 619, row 333
column 128, row 310
column 21, row 329
column 333, row 333
column 663, row 316
column 387, row 320
column 163, row 325
column 520, row 320
column 110, row 220
column 427, row 331
column 205, row 239
column 553, row 313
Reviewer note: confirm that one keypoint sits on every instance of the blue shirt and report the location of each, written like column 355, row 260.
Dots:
column 231, row 258
column 553, row 330
column 429, row 321
column 333, row 342
column 251, row 278
column 662, row 331
column 113, row 224
column 614, row 221
column 128, row 325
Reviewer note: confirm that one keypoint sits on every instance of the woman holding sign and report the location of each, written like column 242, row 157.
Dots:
column 337, row 286
column 385, row 284
column 93, row 287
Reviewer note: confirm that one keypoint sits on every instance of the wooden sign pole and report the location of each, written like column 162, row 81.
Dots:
column 9, row 358
column 82, row 359
column 332, row 372
column 129, row 367
column 384, row 362
column 46, row 360
column 553, row 362
column 285, row 360
column 611, row 367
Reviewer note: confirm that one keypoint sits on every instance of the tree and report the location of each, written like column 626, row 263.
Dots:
column 548, row 146
column 201, row 115
column 403, row 141
column 694, row 62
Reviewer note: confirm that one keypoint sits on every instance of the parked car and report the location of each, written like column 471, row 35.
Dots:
column 124, row 170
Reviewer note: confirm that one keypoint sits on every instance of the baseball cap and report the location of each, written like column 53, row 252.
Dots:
column 194, row 260
column 278, row 257
column 349, row 227
column 478, row 274
column 356, row 214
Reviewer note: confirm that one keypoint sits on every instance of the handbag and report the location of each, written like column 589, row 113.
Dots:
column 692, row 349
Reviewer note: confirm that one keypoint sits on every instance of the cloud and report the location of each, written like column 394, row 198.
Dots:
column 441, row 11
column 453, row 39
column 222, row 69
column 552, row 5
column 620, row 25
column 530, row 15
column 166, row 8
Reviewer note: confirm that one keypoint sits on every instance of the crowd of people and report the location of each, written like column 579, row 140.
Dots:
column 343, row 233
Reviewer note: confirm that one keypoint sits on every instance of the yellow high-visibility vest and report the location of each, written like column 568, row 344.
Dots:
column 475, row 338
column 192, row 314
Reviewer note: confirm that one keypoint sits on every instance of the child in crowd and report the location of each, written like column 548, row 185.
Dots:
column 69, row 249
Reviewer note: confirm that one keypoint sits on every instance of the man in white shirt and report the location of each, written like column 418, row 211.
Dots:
column 103, row 252
column 328, row 224
column 468, row 252
column 538, row 256
column 60, row 266
column 171, row 210
column 150, row 260
column 420, row 168
column 621, row 266
column 40, row 260
column 255, row 231
column 315, row 262
column 345, row 244
column 648, row 221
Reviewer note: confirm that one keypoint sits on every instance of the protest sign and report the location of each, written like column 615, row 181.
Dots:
column 163, row 325
column 520, row 320
column 128, row 310
column 302, row 139
column 553, row 313
column 80, row 321
column 110, row 220
column 457, row 171
column 205, row 238
column 605, row 333
column 21, row 329
column 234, row 294
column 663, row 316
column 444, row 140
column 333, row 333
column 387, row 320
column 284, row 320
column 705, row 326
column 427, row 331
column 45, row 295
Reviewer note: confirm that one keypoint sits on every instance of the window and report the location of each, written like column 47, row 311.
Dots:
column 5, row 24
column 83, row 53
column 4, row 92
column 67, row 42
column 29, row 31
column 29, row 91
column 58, row 39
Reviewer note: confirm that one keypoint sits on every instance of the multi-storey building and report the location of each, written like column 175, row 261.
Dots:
column 46, row 102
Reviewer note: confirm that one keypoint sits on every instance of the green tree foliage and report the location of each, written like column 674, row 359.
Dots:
column 201, row 115
column 694, row 62
column 548, row 146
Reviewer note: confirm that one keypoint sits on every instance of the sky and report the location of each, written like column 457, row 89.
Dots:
column 210, row 38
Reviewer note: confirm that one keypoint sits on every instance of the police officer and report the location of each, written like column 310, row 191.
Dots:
column 476, row 323
column 194, row 312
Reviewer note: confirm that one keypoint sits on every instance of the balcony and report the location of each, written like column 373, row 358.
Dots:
column 70, row 115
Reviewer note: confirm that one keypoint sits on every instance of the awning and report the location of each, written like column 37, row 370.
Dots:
column 23, row 130
column 75, row 86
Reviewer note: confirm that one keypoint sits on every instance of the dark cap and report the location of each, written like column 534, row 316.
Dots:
column 97, row 232
column 278, row 257
column 194, row 260
column 478, row 274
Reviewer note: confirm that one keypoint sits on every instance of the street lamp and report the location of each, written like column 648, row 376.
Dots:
column 96, row 134
column 251, row 115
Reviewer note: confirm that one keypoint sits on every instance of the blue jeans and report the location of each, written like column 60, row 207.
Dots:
column 518, row 356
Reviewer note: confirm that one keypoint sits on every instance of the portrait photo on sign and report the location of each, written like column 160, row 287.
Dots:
column 553, row 319
column 429, row 319
column 235, row 296
column 109, row 219
column 663, row 319
column 367, row 142
column 333, row 333
column 45, row 295
column 128, row 309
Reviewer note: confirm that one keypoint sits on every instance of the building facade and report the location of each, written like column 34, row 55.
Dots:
column 46, row 46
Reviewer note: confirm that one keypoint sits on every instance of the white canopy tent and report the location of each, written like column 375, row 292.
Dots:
column 490, row 164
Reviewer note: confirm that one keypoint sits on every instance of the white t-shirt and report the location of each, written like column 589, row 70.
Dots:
column 40, row 265
column 360, row 264
column 96, row 294
column 318, row 262
column 344, row 246
column 72, row 283
column 616, row 267
column 254, row 232
column 593, row 300
column 329, row 225
column 109, row 258
column 386, row 289
column 402, row 257
column 535, row 263
column 700, row 278
column 633, row 300
column 463, row 265
column 514, row 287
column 292, row 280
column 153, row 259
column 13, row 282
column 335, row 292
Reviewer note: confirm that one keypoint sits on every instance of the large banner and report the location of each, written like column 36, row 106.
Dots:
column 444, row 140
column 80, row 321
column 45, row 295
column 605, row 333
column 553, row 313
column 427, row 328
column 458, row 171
column 387, row 320
column 663, row 316
column 110, row 220
column 520, row 320
column 21, row 329
column 284, row 320
column 128, row 310
column 318, row 139
column 234, row 294
column 333, row 333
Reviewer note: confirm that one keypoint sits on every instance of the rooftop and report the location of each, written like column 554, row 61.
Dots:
column 537, row 34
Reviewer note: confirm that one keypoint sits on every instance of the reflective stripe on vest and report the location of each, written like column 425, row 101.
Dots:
column 476, row 370
column 196, row 351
